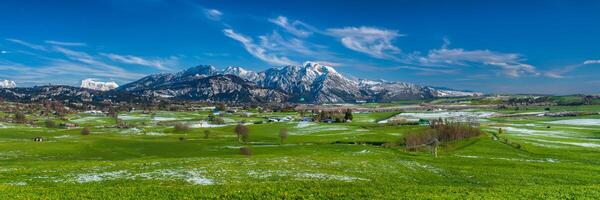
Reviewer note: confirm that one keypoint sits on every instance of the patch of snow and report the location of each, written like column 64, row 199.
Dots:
column 155, row 133
column 329, row 177
column 205, row 124
column 7, row 84
column 577, row 122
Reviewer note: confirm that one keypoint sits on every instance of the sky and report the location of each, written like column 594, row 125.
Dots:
column 541, row 47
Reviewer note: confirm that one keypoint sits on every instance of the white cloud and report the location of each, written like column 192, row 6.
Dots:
column 375, row 42
column 53, row 42
column 510, row 63
column 296, row 27
column 590, row 62
column 129, row 59
column 256, row 50
column 213, row 14
column 27, row 44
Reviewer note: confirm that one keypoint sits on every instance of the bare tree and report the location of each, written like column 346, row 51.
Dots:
column 242, row 132
column 283, row 133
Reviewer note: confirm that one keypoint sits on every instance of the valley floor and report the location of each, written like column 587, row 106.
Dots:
column 534, row 158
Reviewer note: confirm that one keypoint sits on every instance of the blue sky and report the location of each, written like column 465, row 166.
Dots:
column 550, row 47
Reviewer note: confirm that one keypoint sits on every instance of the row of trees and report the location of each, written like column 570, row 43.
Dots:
column 337, row 116
column 440, row 131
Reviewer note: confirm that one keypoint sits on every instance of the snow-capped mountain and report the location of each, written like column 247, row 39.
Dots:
column 310, row 83
column 202, row 82
column 94, row 84
column 241, row 72
column 7, row 84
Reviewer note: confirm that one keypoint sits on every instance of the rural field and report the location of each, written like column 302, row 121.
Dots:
column 522, row 154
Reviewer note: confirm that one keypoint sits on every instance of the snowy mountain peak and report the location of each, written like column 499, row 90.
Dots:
column 207, row 70
column 241, row 72
column 7, row 84
column 319, row 68
column 98, row 85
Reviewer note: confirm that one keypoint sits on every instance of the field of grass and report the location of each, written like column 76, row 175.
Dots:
column 534, row 158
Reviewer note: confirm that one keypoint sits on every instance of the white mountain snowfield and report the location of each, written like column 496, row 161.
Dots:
column 94, row 84
column 7, row 84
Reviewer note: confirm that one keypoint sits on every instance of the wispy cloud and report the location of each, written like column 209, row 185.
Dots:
column 27, row 44
column 590, row 62
column 511, row 64
column 159, row 64
column 256, row 50
column 213, row 14
column 375, row 42
column 297, row 28
column 59, row 43
column 560, row 72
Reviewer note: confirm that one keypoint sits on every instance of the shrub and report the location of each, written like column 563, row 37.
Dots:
column 50, row 123
column 182, row 127
column 86, row 131
column 245, row 151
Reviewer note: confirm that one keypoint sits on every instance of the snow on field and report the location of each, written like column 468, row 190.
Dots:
column 95, row 177
column 205, row 124
column 263, row 174
column 444, row 115
column 581, row 144
column 578, row 122
column 317, row 128
column 63, row 136
column 155, row 134
column 131, row 117
column 532, row 132
column 551, row 160
column 3, row 126
column 164, row 119
column 191, row 176
column 20, row 183
column 322, row 176
column 131, row 131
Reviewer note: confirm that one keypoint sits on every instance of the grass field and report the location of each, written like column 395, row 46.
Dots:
column 554, row 159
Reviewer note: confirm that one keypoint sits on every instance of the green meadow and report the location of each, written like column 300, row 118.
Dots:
column 531, row 158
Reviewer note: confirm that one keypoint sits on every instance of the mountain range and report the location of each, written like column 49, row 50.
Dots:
column 310, row 83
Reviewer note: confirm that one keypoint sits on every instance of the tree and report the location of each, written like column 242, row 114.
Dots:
column 206, row 134
column 20, row 118
column 242, row 132
column 283, row 133
column 49, row 123
column 348, row 115
column 85, row 131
